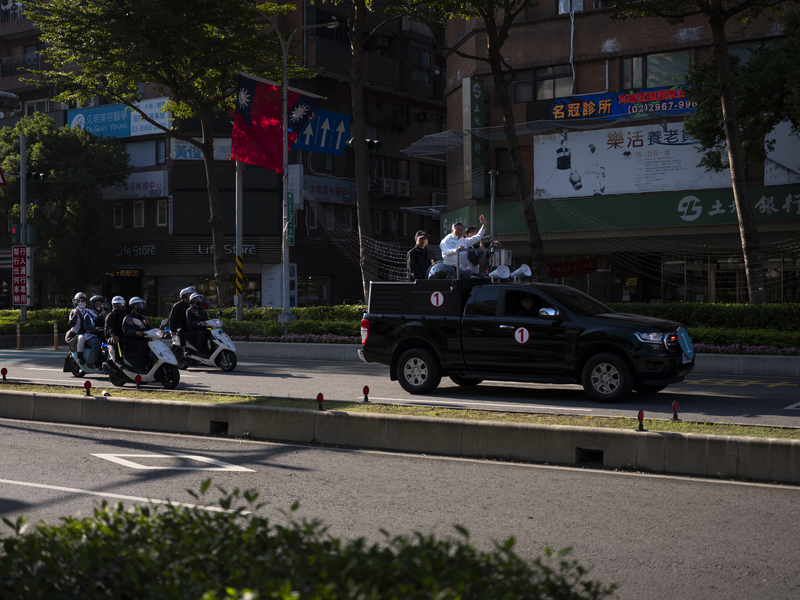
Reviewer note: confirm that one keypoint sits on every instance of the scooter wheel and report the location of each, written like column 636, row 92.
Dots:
column 226, row 360
column 76, row 369
column 168, row 376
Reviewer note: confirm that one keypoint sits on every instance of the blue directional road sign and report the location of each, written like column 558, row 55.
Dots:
column 327, row 133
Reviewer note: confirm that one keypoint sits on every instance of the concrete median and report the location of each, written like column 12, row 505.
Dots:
column 761, row 459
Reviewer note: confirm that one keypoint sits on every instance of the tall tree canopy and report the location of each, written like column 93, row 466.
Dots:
column 718, row 14
column 189, row 50
column 66, row 208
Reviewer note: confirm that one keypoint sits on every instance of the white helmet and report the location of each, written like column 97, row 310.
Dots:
column 118, row 302
column 76, row 299
column 198, row 297
column 137, row 302
column 188, row 291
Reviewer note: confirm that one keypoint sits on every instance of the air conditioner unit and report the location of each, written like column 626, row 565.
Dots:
column 387, row 186
column 438, row 198
column 403, row 188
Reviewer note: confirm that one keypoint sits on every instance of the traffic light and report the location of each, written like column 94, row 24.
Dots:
column 30, row 239
column 31, row 176
column 372, row 145
column 15, row 228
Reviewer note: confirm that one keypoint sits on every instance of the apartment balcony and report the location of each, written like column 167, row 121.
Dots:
column 14, row 68
column 12, row 21
column 336, row 58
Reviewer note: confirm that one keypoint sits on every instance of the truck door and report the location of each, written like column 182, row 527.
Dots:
column 478, row 326
column 524, row 341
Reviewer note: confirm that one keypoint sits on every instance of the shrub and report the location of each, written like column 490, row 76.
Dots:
column 149, row 552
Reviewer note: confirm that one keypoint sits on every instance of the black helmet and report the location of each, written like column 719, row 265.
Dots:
column 94, row 299
column 440, row 270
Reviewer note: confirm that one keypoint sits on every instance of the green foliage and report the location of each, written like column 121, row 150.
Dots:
column 67, row 209
column 159, row 552
column 780, row 317
column 720, row 336
column 337, row 327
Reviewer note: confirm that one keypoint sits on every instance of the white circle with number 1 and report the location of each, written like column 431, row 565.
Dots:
column 437, row 298
column 522, row 335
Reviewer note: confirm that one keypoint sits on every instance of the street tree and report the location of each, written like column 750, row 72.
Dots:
column 766, row 79
column 188, row 50
column 66, row 206
column 719, row 13
column 498, row 17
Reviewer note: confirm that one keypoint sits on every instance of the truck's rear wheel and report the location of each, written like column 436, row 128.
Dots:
column 607, row 378
column 418, row 371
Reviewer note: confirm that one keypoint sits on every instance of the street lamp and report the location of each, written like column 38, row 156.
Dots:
column 286, row 315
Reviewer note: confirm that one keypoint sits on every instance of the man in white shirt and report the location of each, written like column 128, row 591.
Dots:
column 453, row 241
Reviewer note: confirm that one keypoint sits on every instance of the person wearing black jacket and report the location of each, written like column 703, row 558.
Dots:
column 177, row 316
column 113, row 324
column 133, row 327
column 419, row 258
column 196, row 317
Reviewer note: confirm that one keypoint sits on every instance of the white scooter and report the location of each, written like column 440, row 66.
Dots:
column 222, row 353
column 161, row 366
column 81, row 369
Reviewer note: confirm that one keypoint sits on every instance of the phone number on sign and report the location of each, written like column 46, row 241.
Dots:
column 661, row 106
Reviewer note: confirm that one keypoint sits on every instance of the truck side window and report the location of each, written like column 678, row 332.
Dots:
column 483, row 302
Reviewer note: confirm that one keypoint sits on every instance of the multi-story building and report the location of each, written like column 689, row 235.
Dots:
column 599, row 106
column 160, row 216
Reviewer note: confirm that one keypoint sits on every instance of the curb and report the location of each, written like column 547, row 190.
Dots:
column 763, row 459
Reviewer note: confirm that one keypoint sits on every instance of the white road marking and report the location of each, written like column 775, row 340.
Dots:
column 460, row 404
column 220, row 465
column 793, row 407
column 59, row 488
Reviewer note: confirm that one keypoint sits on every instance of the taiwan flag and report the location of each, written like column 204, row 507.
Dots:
column 258, row 123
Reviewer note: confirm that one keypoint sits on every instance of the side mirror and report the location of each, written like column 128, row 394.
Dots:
column 164, row 322
column 550, row 313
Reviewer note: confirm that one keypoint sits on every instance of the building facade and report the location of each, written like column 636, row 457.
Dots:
column 160, row 215
column 624, row 211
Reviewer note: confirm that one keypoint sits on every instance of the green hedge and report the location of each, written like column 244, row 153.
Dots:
column 719, row 336
column 176, row 552
column 783, row 317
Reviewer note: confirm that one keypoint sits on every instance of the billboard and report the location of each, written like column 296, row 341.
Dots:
column 117, row 120
column 635, row 158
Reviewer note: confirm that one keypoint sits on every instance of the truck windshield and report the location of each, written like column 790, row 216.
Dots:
column 578, row 302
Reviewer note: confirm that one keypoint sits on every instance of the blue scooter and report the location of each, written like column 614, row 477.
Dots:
column 71, row 364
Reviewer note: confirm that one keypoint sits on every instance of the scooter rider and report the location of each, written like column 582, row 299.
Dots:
column 93, row 322
column 177, row 316
column 113, row 324
column 75, row 326
column 133, row 334
column 196, row 322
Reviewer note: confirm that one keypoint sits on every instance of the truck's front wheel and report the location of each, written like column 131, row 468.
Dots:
column 607, row 378
column 418, row 371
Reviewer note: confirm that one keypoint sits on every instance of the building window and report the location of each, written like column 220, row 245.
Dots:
column 743, row 50
column 392, row 222
column 430, row 175
column 35, row 106
column 118, row 215
column 329, row 218
column 418, row 57
column 161, row 152
column 311, row 217
column 161, row 213
column 325, row 162
column 406, row 224
column 138, row 214
column 654, row 70
column 545, row 83
column 348, row 218
column 567, row 6
column 318, row 16
column 378, row 222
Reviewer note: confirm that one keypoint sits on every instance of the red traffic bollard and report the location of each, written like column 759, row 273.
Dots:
column 319, row 401
column 675, row 411
column 4, row 372
column 641, row 421
column 88, row 386
column 138, row 380
column 366, row 393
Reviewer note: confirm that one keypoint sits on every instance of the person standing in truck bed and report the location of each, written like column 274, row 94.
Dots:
column 454, row 241
column 419, row 258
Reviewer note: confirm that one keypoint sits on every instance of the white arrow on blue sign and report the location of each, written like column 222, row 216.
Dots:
column 326, row 133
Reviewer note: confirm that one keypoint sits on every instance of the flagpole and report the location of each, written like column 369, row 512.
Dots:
column 286, row 314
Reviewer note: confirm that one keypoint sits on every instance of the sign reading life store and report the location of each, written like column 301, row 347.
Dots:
column 150, row 250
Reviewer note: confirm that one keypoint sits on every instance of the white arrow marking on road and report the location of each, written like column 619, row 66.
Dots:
column 221, row 466
column 340, row 130
column 793, row 407
column 308, row 132
column 325, row 128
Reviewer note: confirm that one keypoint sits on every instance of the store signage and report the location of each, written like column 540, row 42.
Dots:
column 142, row 250
column 19, row 274
column 247, row 249
column 183, row 150
column 147, row 184
column 117, row 120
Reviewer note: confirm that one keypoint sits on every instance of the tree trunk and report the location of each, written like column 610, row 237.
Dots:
column 751, row 247
column 538, row 262
column 358, row 23
column 221, row 276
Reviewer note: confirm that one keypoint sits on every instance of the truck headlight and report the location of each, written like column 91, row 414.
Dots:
column 650, row 337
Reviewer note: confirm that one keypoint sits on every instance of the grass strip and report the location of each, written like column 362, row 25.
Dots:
column 616, row 422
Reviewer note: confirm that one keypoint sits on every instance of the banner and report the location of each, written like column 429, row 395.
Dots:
column 625, row 160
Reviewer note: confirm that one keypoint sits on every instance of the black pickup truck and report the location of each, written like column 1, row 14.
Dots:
column 473, row 330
